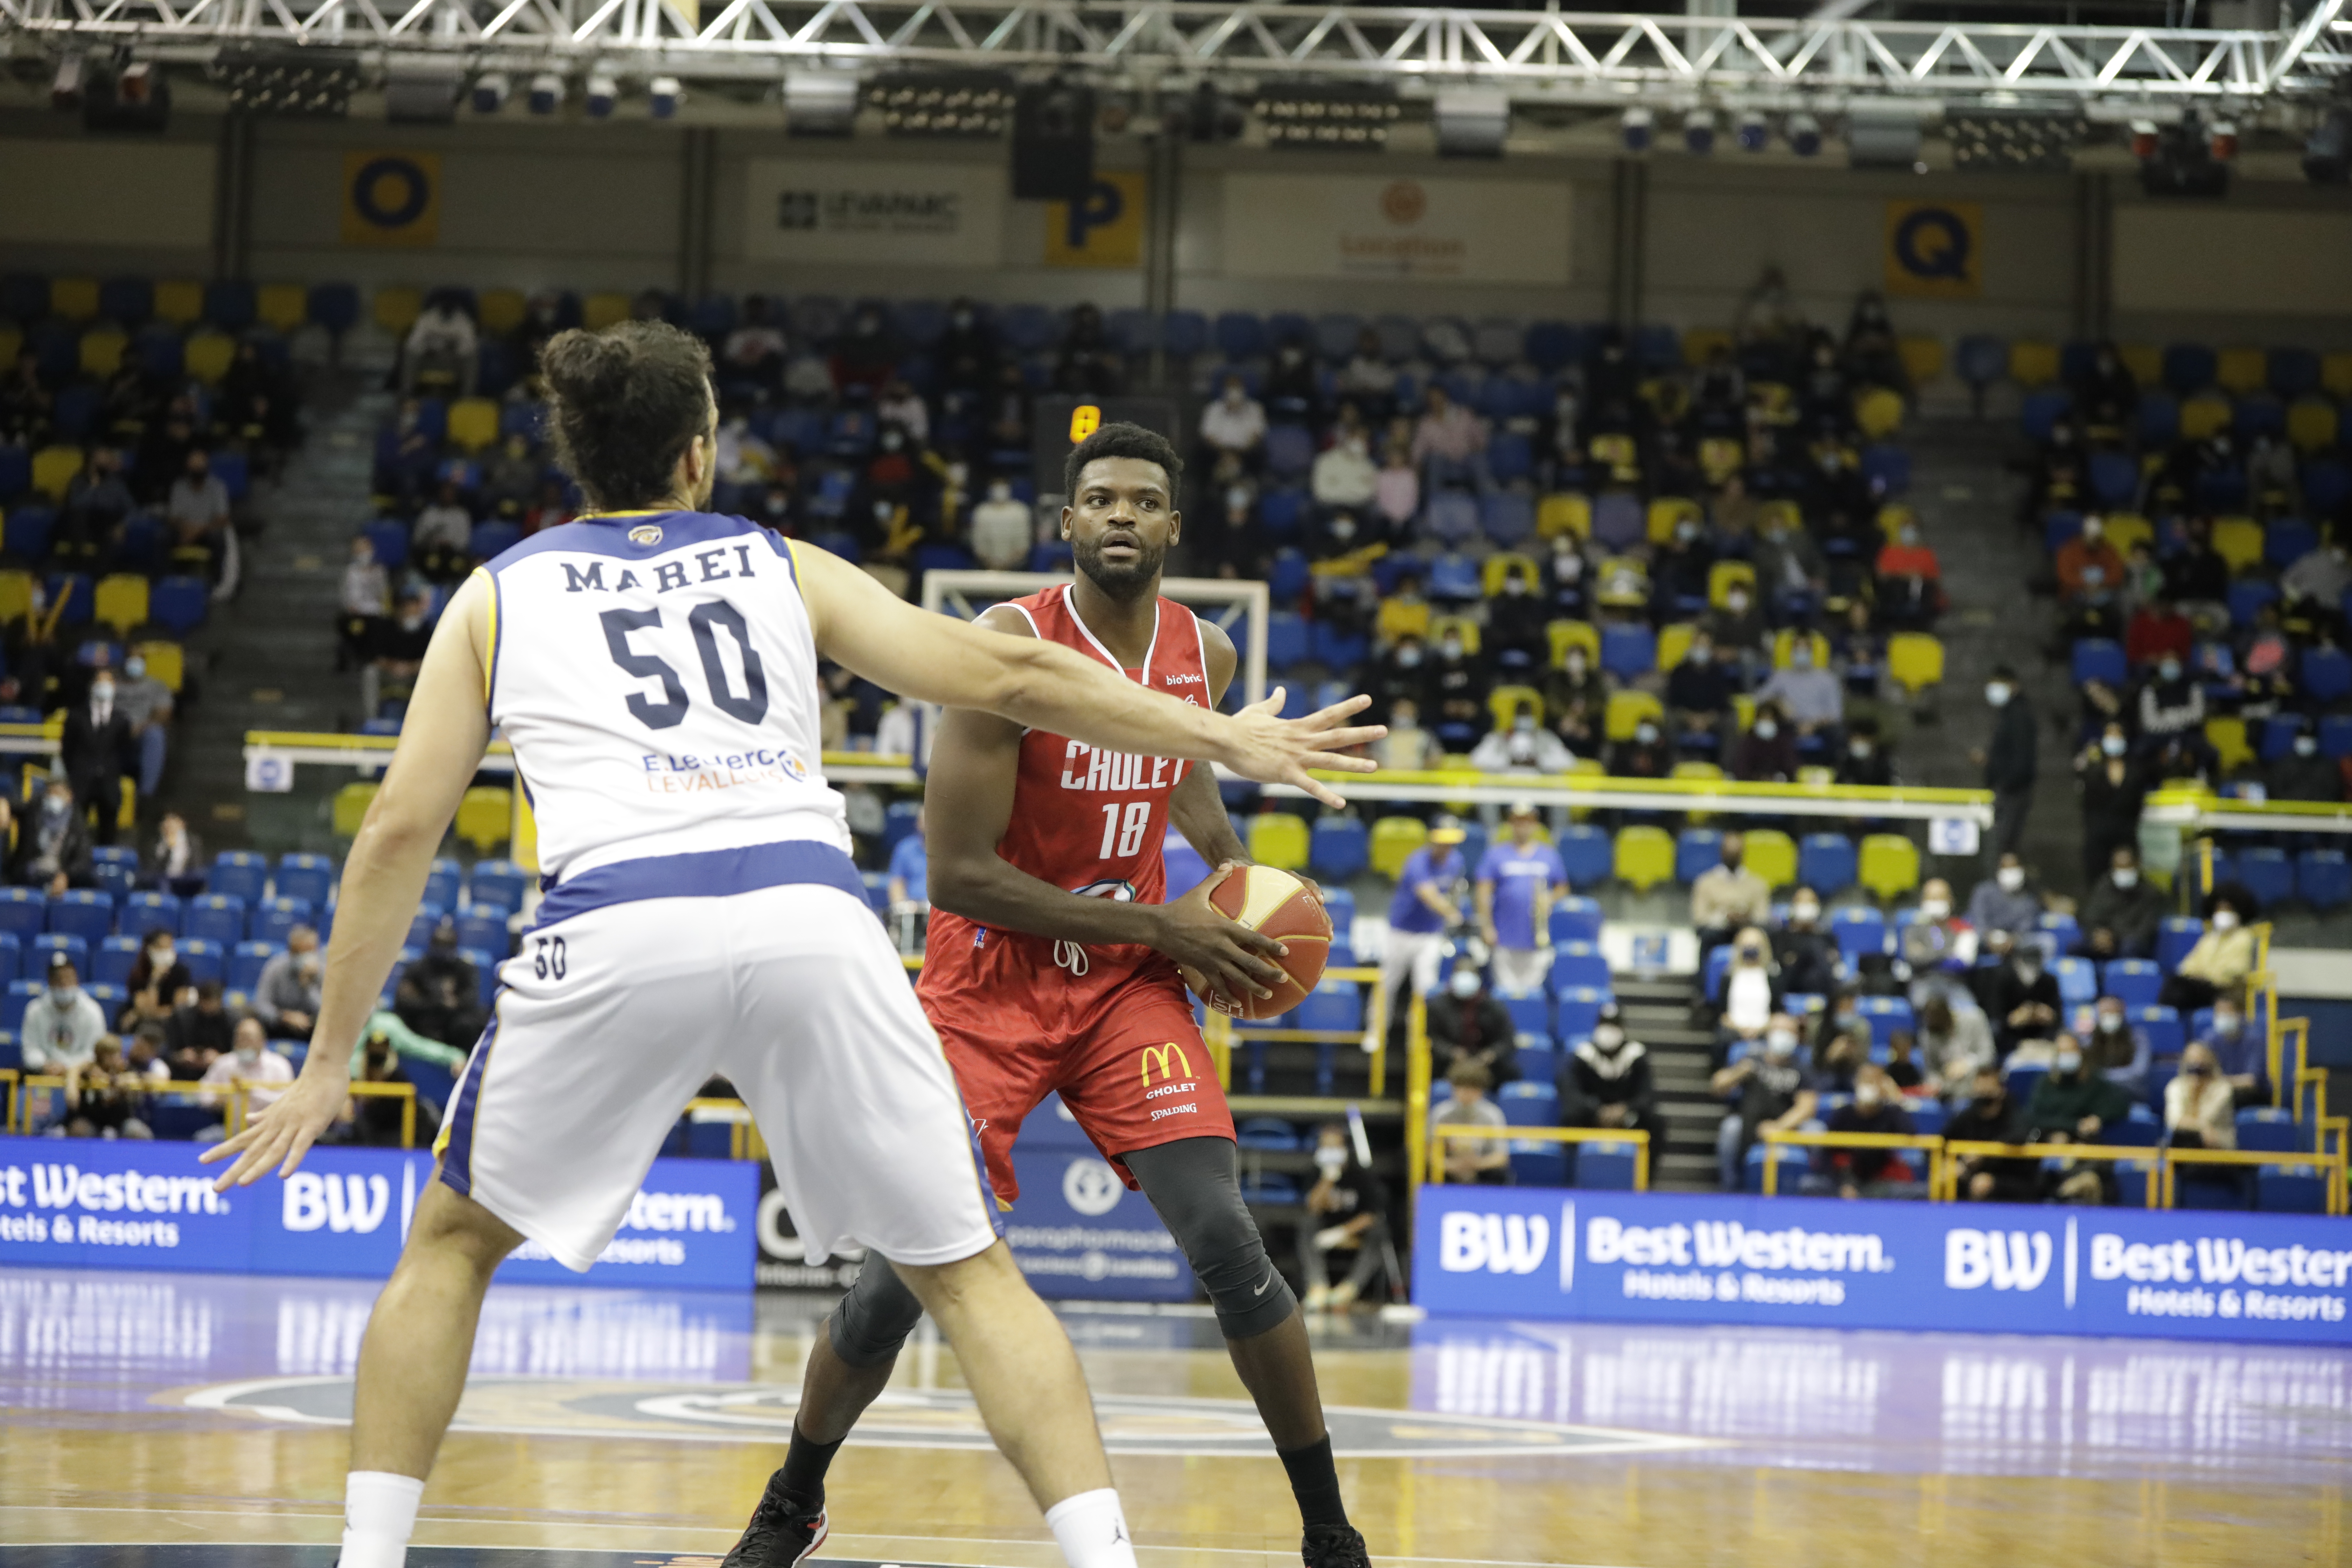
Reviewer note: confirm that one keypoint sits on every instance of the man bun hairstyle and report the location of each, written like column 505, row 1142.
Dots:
column 1120, row 439
column 623, row 404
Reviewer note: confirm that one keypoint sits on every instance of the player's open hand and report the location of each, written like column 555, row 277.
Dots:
column 280, row 1134
column 1216, row 953
column 1271, row 749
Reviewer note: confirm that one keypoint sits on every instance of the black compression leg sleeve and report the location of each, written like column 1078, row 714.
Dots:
column 1194, row 1186
column 875, row 1318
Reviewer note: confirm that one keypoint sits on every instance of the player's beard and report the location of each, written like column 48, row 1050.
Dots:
column 1122, row 581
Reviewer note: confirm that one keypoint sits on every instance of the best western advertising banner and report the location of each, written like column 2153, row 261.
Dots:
column 907, row 214
column 76, row 1202
column 1663, row 1257
column 1324, row 226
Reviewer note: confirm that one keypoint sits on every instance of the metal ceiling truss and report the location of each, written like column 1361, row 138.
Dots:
column 1567, row 56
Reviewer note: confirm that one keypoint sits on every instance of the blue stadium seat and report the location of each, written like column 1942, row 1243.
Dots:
column 1792, row 1164
column 116, row 869
column 2270, row 1129
column 2189, row 367
column 441, row 882
column 239, row 873
column 216, row 917
column 1604, row 1166
column 1341, row 905
column 1826, row 863
column 1579, row 1007
column 2166, row 1037
column 1270, row 1133
column 2115, row 479
column 1286, row 640
column 484, row 927
column 1538, row 1163
column 1185, row 333
column 245, row 964
column 1539, row 1063
column 84, row 913
column 1627, row 651
column 1530, row 1015
column 1885, row 1015
column 1338, row 847
column 2133, row 981
column 1695, row 849
column 2290, row 1189
column 496, row 882
column 420, row 925
column 2174, row 938
column 1509, row 517
column 1575, row 918
column 1585, row 852
column 1186, row 868
column 1860, row 931
column 2247, row 597
column 1578, row 964
column 2041, row 410
column 1529, row 1104
column 2267, row 873
column 25, row 911
column 2323, row 877
column 1453, row 577
column 1289, row 450
column 1450, row 517
column 40, row 955
column 20, row 995
column 1240, row 335
column 1718, row 965
column 179, row 604
column 2078, row 981
column 1335, row 647
column 111, row 963
column 270, row 920
column 2276, row 735
column 204, row 960
column 230, row 304
column 143, row 912
column 2327, row 674
column 2097, row 659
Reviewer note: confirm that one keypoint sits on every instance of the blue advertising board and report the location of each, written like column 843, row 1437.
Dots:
column 124, row 1204
column 1076, row 1230
column 1553, row 1254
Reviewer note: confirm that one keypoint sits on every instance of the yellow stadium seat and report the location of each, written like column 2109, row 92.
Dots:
column 1773, row 400
column 601, row 311
column 1566, row 635
column 102, row 350
column 2336, row 373
column 1564, row 513
column 11, row 344
column 285, row 306
column 474, row 423
column 127, row 814
column 1622, row 455
column 2204, row 415
column 1771, row 855
column 1698, row 342
column 208, row 355
column 75, row 298
column 1584, row 768
column 1719, row 457
column 2144, row 361
column 1629, row 708
column 1499, row 566
column 1812, row 776
column 1722, row 575
column 1782, row 511
column 485, row 817
column 1891, row 518
column 54, row 468
column 1879, row 413
column 179, row 301
column 1743, row 711
column 1786, row 639
column 1644, row 858
column 16, row 596
column 166, row 661
column 2125, row 528
column 2032, row 362
column 1400, row 618
column 1889, row 865
column 1915, row 660
column 1923, row 358
column 2243, row 370
column 1462, row 626
column 1706, row 770
column 1673, row 641
column 1393, row 839
column 1624, row 583
column 2228, row 739
column 122, row 602
column 2239, row 541
column 1505, row 702
column 2312, row 425
column 1668, row 512
column 351, row 803
column 395, row 307
column 501, row 311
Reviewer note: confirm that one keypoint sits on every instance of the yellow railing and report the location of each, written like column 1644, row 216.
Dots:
column 8, row 1077
column 1634, row 1135
column 241, row 1090
column 1931, row 1144
column 2168, row 1168
column 743, row 1140
column 1954, row 1151
column 1416, row 1093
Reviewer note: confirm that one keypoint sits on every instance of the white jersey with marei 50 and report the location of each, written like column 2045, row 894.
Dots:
column 656, row 674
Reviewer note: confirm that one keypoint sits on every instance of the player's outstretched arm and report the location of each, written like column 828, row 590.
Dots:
column 441, row 745
column 938, row 658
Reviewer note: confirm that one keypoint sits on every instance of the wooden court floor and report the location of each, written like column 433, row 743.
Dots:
column 145, row 1412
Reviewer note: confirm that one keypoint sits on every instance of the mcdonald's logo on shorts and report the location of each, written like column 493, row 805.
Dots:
column 1159, row 1057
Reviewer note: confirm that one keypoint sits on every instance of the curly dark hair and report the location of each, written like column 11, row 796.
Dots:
column 622, row 404
column 1120, row 439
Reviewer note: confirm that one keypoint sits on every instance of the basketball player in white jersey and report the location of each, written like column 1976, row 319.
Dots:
column 656, row 668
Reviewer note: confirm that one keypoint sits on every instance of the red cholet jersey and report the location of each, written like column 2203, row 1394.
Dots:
column 1088, row 821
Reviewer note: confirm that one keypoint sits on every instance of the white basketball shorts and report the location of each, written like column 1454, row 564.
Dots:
column 634, row 988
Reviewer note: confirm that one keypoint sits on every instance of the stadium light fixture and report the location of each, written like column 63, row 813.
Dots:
column 491, row 89
column 2225, row 141
column 2328, row 151
column 1804, row 134
column 546, row 93
column 820, row 104
column 1329, row 117
column 962, row 105
column 1634, row 128
column 662, row 96
column 65, row 87
column 1472, row 122
column 1755, row 132
column 603, row 93
column 1698, row 132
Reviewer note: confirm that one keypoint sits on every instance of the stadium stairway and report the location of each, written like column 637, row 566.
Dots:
column 1662, row 1016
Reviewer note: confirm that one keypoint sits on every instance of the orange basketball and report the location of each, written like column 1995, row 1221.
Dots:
column 1281, row 906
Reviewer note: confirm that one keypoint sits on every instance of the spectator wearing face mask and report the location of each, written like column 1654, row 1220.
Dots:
column 2010, row 761
column 53, row 843
column 1643, row 755
column 1525, row 747
column 1955, row 1045
column 1902, row 1064
column 1699, row 689
column 2200, row 1108
column 2088, row 564
column 2223, row 958
column 250, row 1061
column 1788, row 565
column 199, row 505
column 1812, row 697
column 96, row 745
column 1938, row 948
column 62, row 1024
column 1876, row 1107
column 1728, row 897
column 2303, row 774
column 442, row 341
column 399, row 651
column 1466, row 1024
column 1842, row 1054
column 199, row 1030
column 2240, row 1050
column 1609, row 1080
column 1002, row 528
column 2171, row 700
column 1985, row 1114
column 1407, row 747
column 2115, row 1048
column 1396, row 494
column 1679, row 568
column 158, row 983
column 1422, row 912
column 1486, row 1161
column 1866, row 761
column 2122, row 912
column 2114, row 786
column 1841, row 1015
column 2072, row 1104
column 1449, row 441
column 1575, row 696
column 176, row 862
column 1768, row 1092
column 1346, row 1210
column 1235, row 425
column 1767, row 754
column 2023, row 1000
column 1910, row 580
column 1513, row 889
column 286, row 996
column 1736, row 624
column 439, row 995
column 1752, row 992
column 1344, row 474
column 2003, row 902
column 1567, row 587
column 1806, row 952
column 145, row 704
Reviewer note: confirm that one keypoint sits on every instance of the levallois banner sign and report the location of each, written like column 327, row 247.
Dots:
column 1346, row 226
column 906, row 214
column 1665, row 1257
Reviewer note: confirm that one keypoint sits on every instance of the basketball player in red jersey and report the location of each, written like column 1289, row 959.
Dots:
column 1052, row 965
